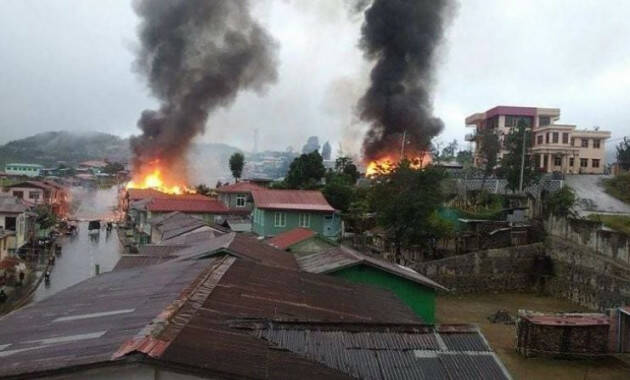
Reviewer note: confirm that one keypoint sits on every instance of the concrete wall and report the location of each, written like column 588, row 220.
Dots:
column 589, row 234
column 500, row 269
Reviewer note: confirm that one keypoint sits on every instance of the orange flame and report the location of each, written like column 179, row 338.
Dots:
column 154, row 180
column 387, row 163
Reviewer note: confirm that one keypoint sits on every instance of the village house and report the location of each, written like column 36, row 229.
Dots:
column 317, row 255
column 227, row 317
column 41, row 193
column 277, row 211
column 238, row 195
column 23, row 170
column 174, row 224
column 556, row 147
column 14, row 224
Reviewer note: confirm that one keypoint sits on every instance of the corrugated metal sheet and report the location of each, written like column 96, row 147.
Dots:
column 135, row 261
column 307, row 200
column 240, row 187
column 187, row 205
column 464, row 342
column 11, row 205
column 391, row 353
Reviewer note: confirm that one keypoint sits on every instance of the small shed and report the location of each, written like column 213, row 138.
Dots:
column 562, row 334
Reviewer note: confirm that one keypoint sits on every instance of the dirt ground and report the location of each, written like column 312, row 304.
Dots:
column 476, row 309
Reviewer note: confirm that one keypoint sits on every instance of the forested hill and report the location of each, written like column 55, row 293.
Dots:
column 51, row 148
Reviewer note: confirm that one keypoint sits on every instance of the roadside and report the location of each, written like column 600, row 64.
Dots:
column 476, row 308
column 592, row 196
column 18, row 296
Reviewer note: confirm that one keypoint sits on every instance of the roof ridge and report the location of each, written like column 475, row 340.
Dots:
column 153, row 339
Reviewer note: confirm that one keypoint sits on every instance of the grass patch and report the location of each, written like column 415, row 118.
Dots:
column 619, row 223
column 619, row 187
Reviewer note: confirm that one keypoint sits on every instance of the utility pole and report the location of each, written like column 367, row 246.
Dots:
column 520, row 183
column 402, row 148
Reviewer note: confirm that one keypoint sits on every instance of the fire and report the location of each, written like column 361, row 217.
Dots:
column 154, row 180
column 387, row 163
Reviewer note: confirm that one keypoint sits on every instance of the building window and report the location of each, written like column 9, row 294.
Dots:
column 572, row 141
column 555, row 137
column 583, row 162
column 18, row 194
column 280, row 219
column 304, row 220
column 584, row 143
column 543, row 120
column 571, row 161
column 595, row 163
column 33, row 195
column 240, row 200
column 539, row 139
column 596, row 143
column 10, row 223
column 547, row 138
column 557, row 160
column 565, row 138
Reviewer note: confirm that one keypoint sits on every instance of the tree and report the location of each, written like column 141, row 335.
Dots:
column 326, row 151
column 404, row 200
column 306, row 171
column 345, row 165
column 464, row 157
column 113, row 167
column 312, row 145
column 237, row 162
column 338, row 192
column 510, row 165
column 488, row 150
column 448, row 153
column 560, row 203
column 203, row 189
column 623, row 154
column 45, row 217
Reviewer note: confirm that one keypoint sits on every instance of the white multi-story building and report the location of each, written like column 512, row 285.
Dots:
column 556, row 147
column 26, row 170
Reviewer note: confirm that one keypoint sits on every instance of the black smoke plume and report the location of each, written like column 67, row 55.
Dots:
column 401, row 36
column 196, row 56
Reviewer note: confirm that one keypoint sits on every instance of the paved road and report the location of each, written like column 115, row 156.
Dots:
column 592, row 197
column 81, row 253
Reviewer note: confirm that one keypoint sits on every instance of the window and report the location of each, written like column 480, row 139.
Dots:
column 583, row 162
column 565, row 138
column 596, row 143
column 555, row 137
column 571, row 161
column 543, row 120
column 18, row 194
column 9, row 223
column 539, row 139
column 240, row 200
column 595, row 163
column 304, row 220
column 280, row 219
column 557, row 160
column 511, row 121
column 33, row 195
column 584, row 143
column 572, row 141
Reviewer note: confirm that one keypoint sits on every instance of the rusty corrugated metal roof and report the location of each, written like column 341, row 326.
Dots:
column 207, row 205
column 305, row 200
column 288, row 238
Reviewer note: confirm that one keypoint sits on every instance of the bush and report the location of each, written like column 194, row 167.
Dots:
column 619, row 187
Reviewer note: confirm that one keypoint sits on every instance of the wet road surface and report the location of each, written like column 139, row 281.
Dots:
column 81, row 254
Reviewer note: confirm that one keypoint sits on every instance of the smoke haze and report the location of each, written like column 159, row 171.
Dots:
column 401, row 36
column 196, row 55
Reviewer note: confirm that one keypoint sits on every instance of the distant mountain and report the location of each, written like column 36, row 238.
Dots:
column 52, row 148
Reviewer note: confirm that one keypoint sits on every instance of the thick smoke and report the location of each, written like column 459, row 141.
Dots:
column 196, row 55
column 401, row 36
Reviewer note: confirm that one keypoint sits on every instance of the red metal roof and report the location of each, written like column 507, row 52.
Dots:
column 306, row 200
column 291, row 237
column 138, row 194
column 187, row 205
column 240, row 187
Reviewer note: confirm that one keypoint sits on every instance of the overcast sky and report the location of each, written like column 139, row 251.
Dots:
column 66, row 65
